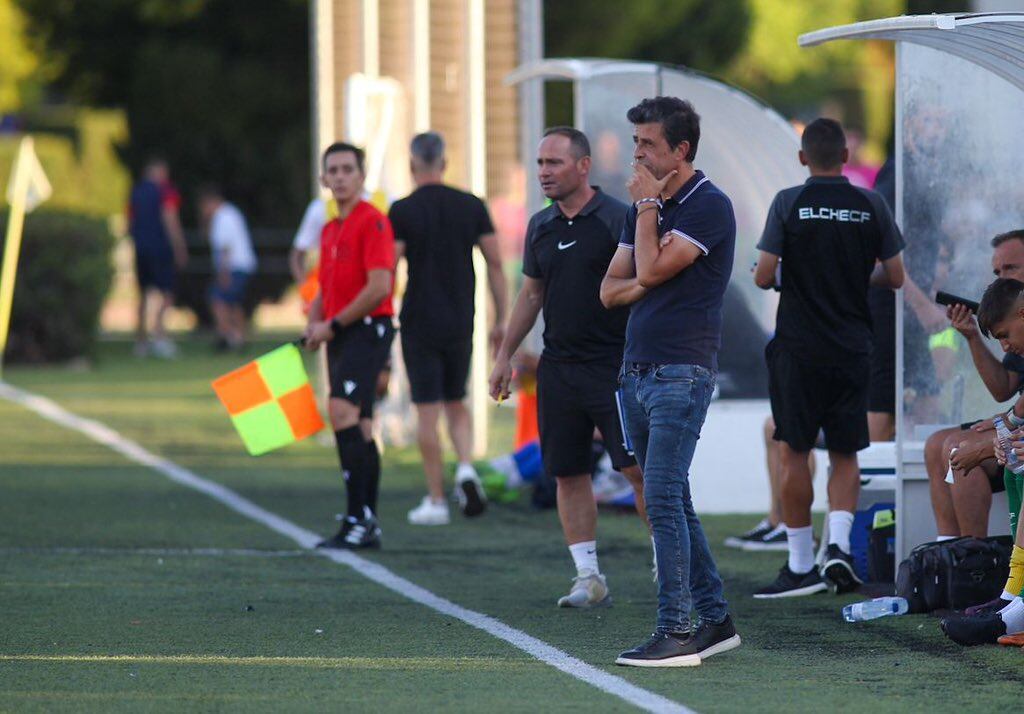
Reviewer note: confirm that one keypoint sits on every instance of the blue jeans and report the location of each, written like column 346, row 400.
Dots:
column 663, row 409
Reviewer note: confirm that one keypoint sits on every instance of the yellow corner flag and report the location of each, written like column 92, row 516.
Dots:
column 27, row 188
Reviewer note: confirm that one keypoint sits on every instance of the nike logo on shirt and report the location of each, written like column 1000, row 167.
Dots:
column 563, row 246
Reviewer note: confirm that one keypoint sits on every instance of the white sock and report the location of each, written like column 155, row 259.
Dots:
column 584, row 555
column 840, row 523
column 1006, row 596
column 941, row 538
column 1013, row 616
column 801, row 549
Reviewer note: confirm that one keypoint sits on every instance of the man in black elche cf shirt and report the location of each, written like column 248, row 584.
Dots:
column 568, row 248
column 833, row 240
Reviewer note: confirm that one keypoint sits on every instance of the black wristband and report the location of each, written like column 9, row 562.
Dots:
column 336, row 325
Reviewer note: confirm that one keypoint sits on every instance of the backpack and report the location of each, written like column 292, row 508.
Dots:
column 954, row 574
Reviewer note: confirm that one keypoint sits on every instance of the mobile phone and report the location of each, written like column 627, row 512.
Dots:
column 943, row 298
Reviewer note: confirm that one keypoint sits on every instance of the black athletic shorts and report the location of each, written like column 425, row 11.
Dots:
column 809, row 395
column 355, row 359
column 436, row 374
column 573, row 398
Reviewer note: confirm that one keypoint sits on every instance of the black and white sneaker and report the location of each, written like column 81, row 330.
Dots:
column 711, row 639
column 970, row 631
column 754, row 534
column 790, row 584
column 469, row 492
column 838, row 570
column 773, row 540
column 355, row 534
column 663, row 649
column 682, row 649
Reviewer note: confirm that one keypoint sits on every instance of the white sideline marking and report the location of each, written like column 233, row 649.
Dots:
column 577, row 668
column 168, row 552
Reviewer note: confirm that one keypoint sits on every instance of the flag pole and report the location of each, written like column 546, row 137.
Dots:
column 12, row 244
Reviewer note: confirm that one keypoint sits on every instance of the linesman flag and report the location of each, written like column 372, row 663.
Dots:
column 27, row 188
column 270, row 401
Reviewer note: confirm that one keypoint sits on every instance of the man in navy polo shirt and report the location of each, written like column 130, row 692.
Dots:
column 673, row 265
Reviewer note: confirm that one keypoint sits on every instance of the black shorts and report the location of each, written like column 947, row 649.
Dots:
column 355, row 359
column 436, row 374
column 810, row 395
column 155, row 271
column 573, row 398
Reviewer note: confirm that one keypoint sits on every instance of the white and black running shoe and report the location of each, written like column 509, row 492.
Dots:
column 773, row 540
column 355, row 534
column 754, row 534
column 790, row 584
column 469, row 492
column 838, row 570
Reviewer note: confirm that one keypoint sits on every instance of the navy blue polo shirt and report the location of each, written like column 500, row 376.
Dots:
column 680, row 320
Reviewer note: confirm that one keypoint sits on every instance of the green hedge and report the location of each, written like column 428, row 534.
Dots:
column 64, row 274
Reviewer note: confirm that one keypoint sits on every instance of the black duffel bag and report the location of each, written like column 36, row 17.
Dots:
column 954, row 574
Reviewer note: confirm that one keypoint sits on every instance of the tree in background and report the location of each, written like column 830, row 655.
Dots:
column 703, row 34
column 18, row 63
column 218, row 87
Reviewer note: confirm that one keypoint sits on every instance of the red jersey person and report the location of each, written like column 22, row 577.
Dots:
column 352, row 316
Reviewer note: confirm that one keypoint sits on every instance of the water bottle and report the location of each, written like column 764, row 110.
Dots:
column 873, row 609
column 1013, row 462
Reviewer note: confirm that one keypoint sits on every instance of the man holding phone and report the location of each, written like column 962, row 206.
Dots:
column 962, row 507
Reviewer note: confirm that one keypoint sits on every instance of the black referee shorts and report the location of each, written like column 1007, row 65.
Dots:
column 436, row 374
column 809, row 395
column 573, row 398
column 355, row 358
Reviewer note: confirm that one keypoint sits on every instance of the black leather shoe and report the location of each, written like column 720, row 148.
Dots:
column 663, row 649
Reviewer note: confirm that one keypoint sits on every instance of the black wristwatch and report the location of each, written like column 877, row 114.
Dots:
column 336, row 325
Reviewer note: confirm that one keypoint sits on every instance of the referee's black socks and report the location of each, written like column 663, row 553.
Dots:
column 373, row 484
column 354, row 454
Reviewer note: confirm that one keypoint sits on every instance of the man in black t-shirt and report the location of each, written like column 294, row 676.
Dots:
column 833, row 241
column 436, row 228
column 568, row 248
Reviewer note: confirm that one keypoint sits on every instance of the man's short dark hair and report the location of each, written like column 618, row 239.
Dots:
column 341, row 146
column 579, row 144
column 998, row 301
column 823, row 143
column 428, row 147
column 679, row 121
column 1009, row 235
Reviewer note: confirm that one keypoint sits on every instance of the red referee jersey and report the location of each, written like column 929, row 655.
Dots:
column 349, row 250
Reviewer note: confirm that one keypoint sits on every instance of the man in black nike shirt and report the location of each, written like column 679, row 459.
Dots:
column 568, row 248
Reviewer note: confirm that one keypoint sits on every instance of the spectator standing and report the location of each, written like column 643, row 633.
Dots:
column 154, row 224
column 234, row 262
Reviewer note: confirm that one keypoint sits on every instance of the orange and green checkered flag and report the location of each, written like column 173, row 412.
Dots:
column 270, row 401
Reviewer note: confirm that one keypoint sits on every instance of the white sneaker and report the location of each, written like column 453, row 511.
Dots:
column 429, row 513
column 469, row 491
column 164, row 349
column 588, row 590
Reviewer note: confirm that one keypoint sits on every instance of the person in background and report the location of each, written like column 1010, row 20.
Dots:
column 154, row 224
column 436, row 229
column 234, row 262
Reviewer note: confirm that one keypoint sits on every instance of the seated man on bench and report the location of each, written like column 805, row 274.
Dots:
column 962, row 508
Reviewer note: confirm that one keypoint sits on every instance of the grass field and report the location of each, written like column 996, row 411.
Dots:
column 121, row 590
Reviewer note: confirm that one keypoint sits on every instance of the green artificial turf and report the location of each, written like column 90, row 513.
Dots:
column 109, row 606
